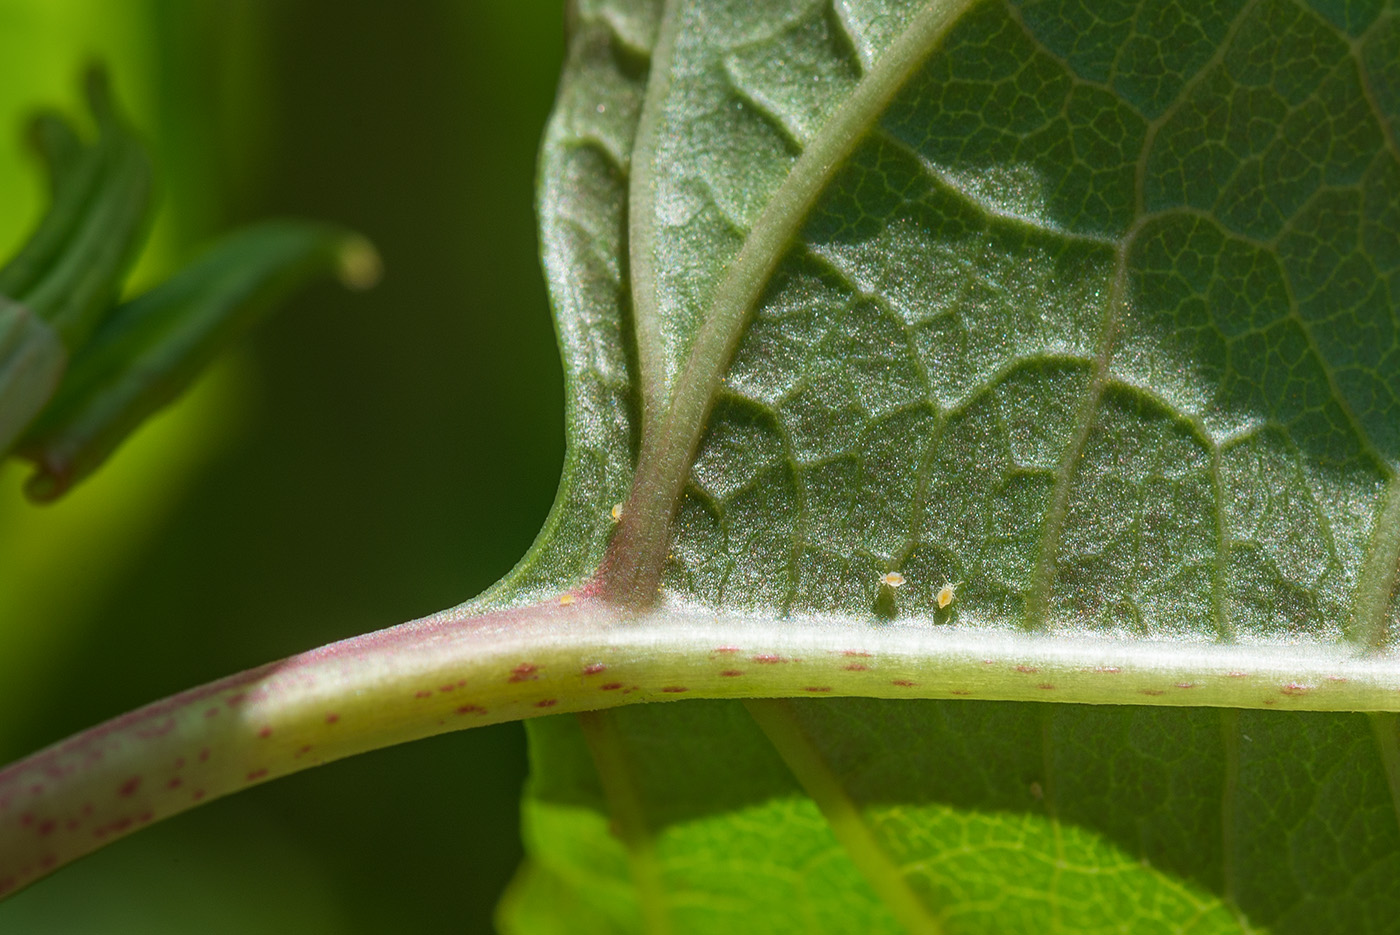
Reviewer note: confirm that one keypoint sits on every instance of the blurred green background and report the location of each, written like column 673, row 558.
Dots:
column 361, row 460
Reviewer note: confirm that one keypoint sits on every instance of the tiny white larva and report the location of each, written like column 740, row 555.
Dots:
column 617, row 512
column 892, row 579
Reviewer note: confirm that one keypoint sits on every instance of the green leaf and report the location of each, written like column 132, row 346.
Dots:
column 1090, row 313
column 1094, row 312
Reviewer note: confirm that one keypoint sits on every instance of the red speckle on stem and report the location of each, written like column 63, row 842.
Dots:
column 547, row 703
column 197, row 795
column 265, row 732
column 732, row 673
column 152, row 731
column 768, row 659
column 525, row 672
column 210, row 712
column 1295, row 688
column 256, row 774
column 204, row 755
column 675, row 689
column 26, row 819
column 422, row 693
column 234, row 700
column 1185, row 684
column 959, row 691
column 611, row 686
column 1337, row 678
column 471, row 709
column 1046, row 687
column 818, row 688
column 903, row 683
column 303, row 749
column 174, row 783
column 594, row 668
column 1107, row 670
column 128, row 788
column 46, row 827
column 332, row 718
column 1237, row 675
column 1027, row 669
column 855, row 667
column 145, row 817
column 447, row 688
column 726, row 649
column 855, row 652
column 1150, row 691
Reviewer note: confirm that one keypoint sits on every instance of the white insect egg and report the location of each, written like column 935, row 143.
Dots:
column 892, row 579
column 947, row 593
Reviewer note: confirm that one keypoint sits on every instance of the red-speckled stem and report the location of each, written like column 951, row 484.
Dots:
column 457, row 670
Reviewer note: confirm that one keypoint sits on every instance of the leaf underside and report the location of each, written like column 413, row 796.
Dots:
column 981, row 366
column 1098, row 317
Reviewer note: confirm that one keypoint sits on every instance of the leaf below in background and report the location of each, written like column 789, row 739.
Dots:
column 1094, row 310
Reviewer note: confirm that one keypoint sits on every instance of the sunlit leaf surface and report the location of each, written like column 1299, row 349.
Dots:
column 1090, row 310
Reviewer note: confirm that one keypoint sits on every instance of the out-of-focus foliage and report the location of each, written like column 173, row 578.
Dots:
column 336, row 474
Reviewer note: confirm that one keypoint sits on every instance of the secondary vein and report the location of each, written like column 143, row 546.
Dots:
column 1043, row 575
column 632, row 571
column 624, row 801
column 776, row 720
column 1380, row 569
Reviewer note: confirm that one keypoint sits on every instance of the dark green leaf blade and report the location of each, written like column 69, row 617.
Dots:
column 1099, row 320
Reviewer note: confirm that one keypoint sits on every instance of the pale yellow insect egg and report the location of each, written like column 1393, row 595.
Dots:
column 892, row 579
column 565, row 600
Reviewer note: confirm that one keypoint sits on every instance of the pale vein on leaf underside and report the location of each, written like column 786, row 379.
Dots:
column 847, row 822
column 639, row 550
column 1230, row 740
column 1358, row 56
column 1386, row 728
column 1043, row 575
column 1182, row 95
column 605, row 744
